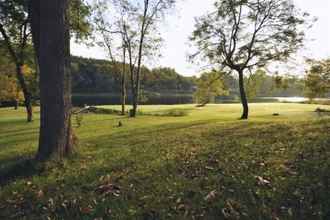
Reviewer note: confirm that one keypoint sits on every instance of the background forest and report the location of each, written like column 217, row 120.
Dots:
column 97, row 82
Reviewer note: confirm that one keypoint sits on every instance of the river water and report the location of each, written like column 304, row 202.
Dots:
column 295, row 99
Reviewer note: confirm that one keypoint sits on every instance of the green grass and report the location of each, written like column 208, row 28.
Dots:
column 206, row 164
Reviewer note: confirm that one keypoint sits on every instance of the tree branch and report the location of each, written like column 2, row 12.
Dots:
column 8, row 43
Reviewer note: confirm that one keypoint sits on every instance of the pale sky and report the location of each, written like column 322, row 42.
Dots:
column 180, row 24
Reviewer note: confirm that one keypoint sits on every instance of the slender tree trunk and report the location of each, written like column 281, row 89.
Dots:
column 244, row 100
column 123, row 83
column 26, row 93
column 137, row 87
column 18, row 58
column 135, row 94
column 135, row 104
column 52, row 45
column 16, row 104
column 138, row 71
column 132, row 112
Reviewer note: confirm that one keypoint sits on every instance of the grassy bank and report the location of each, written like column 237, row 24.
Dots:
column 203, row 165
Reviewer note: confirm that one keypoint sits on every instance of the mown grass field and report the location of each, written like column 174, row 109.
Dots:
column 203, row 165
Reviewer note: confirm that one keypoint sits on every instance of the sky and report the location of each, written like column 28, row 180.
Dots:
column 179, row 25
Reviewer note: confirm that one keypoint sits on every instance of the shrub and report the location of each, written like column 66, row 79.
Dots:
column 170, row 113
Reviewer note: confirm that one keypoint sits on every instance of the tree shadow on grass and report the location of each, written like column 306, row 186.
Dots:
column 308, row 189
column 18, row 168
column 19, row 132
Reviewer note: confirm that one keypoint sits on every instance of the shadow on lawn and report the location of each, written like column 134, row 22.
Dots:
column 300, row 191
column 302, row 188
column 19, row 132
column 308, row 190
column 18, row 168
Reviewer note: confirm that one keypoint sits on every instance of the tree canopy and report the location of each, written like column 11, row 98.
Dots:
column 244, row 34
column 209, row 86
column 317, row 81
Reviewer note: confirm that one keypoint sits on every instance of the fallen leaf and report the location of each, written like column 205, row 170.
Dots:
column 262, row 181
column 211, row 196
column 86, row 210
column 40, row 194
column 107, row 189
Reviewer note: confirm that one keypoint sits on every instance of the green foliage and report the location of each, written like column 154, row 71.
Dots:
column 13, row 16
column 80, row 22
column 254, row 82
column 317, row 81
column 9, row 90
column 92, row 76
column 209, row 85
column 14, row 31
column 166, row 98
column 7, row 67
column 165, row 79
column 14, row 13
column 97, row 110
column 245, row 34
column 179, row 112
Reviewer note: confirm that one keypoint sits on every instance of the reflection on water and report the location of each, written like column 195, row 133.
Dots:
column 291, row 99
column 295, row 99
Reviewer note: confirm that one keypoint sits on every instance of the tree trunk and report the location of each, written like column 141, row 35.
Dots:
column 132, row 112
column 136, row 88
column 244, row 100
column 123, row 83
column 26, row 93
column 16, row 104
column 53, row 51
column 136, row 94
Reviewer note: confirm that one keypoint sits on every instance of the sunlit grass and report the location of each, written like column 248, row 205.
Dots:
column 201, row 165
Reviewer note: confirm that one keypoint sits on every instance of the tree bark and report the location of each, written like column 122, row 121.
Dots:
column 244, row 100
column 15, row 104
column 132, row 112
column 123, row 83
column 135, row 104
column 34, row 19
column 26, row 93
column 50, row 27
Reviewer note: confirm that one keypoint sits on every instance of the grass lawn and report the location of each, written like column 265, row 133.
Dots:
column 204, row 165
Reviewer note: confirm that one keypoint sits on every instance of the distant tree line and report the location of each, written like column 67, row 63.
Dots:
column 102, row 76
column 97, row 81
column 93, row 76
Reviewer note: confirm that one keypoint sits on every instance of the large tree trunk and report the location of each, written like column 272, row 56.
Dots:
column 26, row 93
column 244, row 100
column 52, row 44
